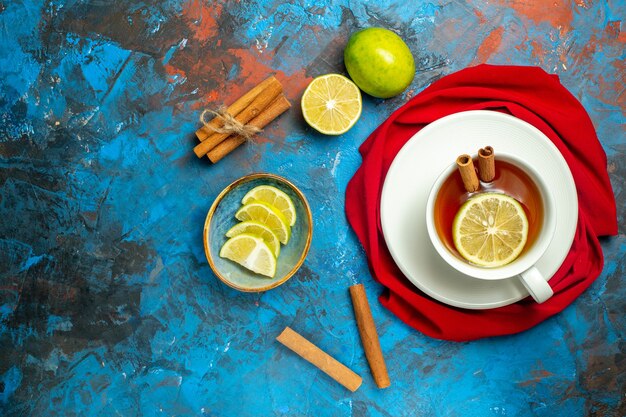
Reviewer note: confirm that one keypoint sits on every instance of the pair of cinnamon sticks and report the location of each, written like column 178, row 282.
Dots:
column 335, row 369
column 486, row 168
column 255, row 109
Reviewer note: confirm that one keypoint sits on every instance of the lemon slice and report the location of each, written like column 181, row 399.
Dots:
column 331, row 104
column 251, row 252
column 257, row 229
column 490, row 229
column 269, row 216
column 274, row 197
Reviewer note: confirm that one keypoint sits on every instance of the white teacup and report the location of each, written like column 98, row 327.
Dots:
column 524, row 265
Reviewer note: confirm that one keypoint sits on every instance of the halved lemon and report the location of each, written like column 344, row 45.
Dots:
column 251, row 252
column 269, row 216
column 490, row 229
column 258, row 229
column 274, row 197
column 331, row 104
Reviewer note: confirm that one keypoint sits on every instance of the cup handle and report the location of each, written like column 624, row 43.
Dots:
column 536, row 284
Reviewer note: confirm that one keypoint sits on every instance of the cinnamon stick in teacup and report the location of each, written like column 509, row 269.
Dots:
column 319, row 358
column 468, row 173
column 275, row 109
column 234, row 109
column 486, row 164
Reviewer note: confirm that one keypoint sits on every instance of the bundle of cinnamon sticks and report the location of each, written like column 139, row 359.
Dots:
column 255, row 110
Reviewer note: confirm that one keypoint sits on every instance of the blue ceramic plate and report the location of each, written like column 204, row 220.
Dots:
column 221, row 217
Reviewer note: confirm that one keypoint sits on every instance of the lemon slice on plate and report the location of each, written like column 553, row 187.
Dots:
column 331, row 104
column 257, row 229
column 251, row 252
column 490, row 229
column 274, row 197
column 269, row 216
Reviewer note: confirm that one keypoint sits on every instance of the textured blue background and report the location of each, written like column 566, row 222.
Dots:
column 107, row 304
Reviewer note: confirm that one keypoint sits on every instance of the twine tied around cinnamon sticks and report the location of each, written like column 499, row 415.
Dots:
column 229, row 124
column 240, row 121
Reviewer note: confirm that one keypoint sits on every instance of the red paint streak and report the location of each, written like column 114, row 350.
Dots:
column 618, row 87
column 608, row 87
column 271, row 130
column 538, row 51
column 174, row 74
column 537, row 377
column 170, row 70
column 589, row 49
column 481, row 17
column 611, row 92
column 211, row 95
column 582, row 3
column 556, row 12
column 211, row 100
column 489, row 46
column 253, row 70
column 202, row 19
column 613, row 29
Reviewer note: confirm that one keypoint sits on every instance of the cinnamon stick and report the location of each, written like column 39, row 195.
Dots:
column 275, row 109
column 486, row 164
column 234, row 109
column 320, row 359
column 468, row 173
column 369, row 336
column 260, row 102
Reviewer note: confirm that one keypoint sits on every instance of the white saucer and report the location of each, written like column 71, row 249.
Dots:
column 414, row 170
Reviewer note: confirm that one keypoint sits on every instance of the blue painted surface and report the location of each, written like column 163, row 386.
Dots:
column 107, row 304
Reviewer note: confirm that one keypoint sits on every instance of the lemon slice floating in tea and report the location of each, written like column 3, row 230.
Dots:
column 274, row 197
column 251, row 252
column 490, row 229
column 331, row 104
column 269, row 216
column 258, row 229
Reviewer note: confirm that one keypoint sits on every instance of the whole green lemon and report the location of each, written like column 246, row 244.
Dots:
column 379, row 62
